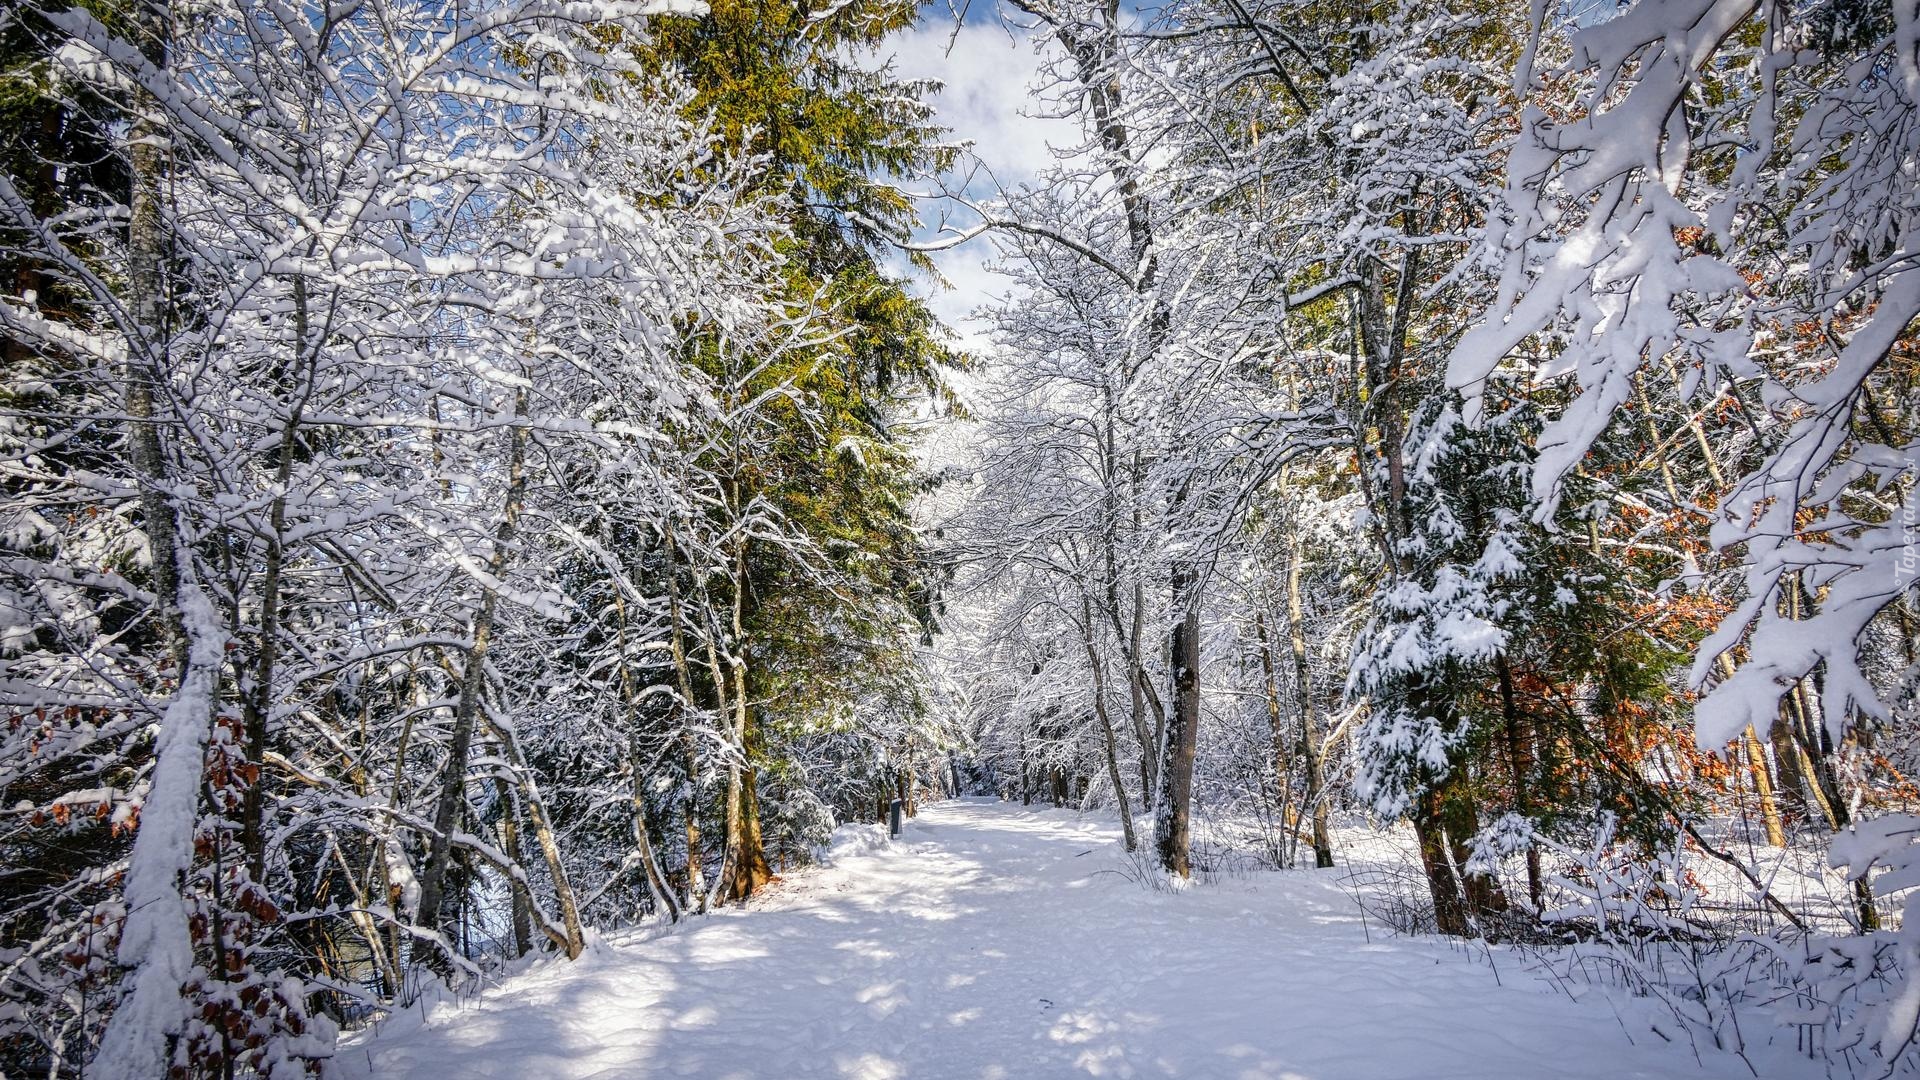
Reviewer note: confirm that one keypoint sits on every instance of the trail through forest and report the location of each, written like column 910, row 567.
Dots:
column 993, row 940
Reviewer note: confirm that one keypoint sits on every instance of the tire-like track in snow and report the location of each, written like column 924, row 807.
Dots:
column 996, row 941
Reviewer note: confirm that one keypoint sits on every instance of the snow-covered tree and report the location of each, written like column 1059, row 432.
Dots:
column 380, row 267
column 1717, row 198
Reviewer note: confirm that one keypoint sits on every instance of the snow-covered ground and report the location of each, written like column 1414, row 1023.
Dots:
column 993, row 940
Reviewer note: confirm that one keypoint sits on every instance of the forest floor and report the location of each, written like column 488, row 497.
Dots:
column 992, row 940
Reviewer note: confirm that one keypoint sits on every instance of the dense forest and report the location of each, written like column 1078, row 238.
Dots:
column 478, row 475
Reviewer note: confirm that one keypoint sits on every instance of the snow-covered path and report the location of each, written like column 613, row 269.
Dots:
column 987, row 943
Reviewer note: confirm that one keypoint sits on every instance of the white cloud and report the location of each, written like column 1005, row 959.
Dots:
column 988, row 75
column 988, row 72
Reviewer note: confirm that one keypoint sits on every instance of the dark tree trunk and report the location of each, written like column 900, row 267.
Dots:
column 1449, row 906
column 1520, row 762
column 1485, row 899
column 1172, row 826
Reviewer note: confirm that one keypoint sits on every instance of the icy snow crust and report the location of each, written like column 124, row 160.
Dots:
column 992, row 940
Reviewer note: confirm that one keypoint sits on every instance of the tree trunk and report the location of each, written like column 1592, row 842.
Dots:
column 1309, row 726
column 147, row 344
column 1172, row 825
column 1279, row 771
column 1520, row 764
column 1138, row 684
column 1099, row 668
column 543, row 836
column 1119, row 787
column 730, row 806
column 748, row 866
column 1485, row 899
column 1142, row 698
column 1449, row 906
column 744, row 868
column 745, row 865
column 1799, row 790
column 156, row 942
column 1809, row 745
column 257, row 708
column 521, row 903
column 155, row 948
column 643, row 843
column 1819, row 760
column 467, row 708
column 1763, row 788
column 629, row 696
